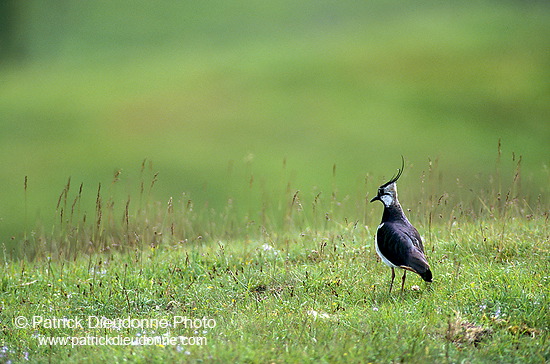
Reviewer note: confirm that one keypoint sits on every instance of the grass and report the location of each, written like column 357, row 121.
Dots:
column 279, row 122
column 312, row 83
column 297, row 282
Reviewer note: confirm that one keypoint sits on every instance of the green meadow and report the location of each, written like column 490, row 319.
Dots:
column 212, row 163
column 179, row 284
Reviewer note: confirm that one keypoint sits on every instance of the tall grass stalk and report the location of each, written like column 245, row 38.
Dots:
column 180, row 221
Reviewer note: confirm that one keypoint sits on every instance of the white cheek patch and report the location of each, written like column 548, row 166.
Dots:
column 387, row 200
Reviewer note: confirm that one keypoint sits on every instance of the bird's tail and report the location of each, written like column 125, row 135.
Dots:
column 427, row 275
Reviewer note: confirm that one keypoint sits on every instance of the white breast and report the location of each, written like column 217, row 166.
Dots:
column 386, row 261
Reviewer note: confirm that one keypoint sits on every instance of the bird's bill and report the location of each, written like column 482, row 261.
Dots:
column 375, row 198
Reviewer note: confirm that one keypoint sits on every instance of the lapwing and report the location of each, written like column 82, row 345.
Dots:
column 398, row 243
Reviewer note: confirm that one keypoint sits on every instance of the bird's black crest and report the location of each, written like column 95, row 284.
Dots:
column 396, row 177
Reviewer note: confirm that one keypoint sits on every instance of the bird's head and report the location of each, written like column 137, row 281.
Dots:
column 387, row 193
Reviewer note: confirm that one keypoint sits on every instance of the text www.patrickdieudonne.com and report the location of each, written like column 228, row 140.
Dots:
column 160, row 340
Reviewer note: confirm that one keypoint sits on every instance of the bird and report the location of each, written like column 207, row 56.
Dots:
column 397, row 241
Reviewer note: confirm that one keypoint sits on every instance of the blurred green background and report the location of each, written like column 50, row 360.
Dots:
column 213, row 92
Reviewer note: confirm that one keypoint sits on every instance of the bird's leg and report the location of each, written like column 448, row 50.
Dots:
column 403, row 279
column 392, row 277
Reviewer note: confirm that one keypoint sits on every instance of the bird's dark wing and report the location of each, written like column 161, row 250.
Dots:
column 402, row 246
column 415, row 237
